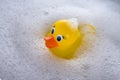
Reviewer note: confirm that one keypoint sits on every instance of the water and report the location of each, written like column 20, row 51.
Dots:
column 23, row 24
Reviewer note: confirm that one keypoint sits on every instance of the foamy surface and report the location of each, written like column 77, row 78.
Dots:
column 23, row 55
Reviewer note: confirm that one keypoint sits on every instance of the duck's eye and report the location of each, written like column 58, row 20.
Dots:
column 59, row 37
column 53, row 30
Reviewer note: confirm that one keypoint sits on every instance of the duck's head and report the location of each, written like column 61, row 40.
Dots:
column 63, row 38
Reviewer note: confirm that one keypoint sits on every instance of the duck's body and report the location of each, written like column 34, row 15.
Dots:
column 68, row 48
column 64, row 38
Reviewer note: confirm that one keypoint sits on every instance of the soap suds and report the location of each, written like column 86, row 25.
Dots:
column 24, row 23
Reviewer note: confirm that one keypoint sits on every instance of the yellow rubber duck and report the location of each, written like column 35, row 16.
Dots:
column 64, row 38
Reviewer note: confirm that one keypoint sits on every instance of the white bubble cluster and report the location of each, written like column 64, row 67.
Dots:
column 23, row 55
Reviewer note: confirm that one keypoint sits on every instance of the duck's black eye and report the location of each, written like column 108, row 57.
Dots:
column 53, row 30
column 59, row 37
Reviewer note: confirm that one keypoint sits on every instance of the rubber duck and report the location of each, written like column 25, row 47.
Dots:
column 64, row 38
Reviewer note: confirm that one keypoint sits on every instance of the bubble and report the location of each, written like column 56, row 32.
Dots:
column 97, row 61
column 46, row 12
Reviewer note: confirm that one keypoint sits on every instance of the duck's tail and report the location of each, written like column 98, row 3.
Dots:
column 87, row 29
column 89, row 34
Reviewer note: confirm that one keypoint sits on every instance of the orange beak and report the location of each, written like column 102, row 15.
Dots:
column 50, row 42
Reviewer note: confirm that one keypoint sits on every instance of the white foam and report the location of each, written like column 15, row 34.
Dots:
column 24, row 55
